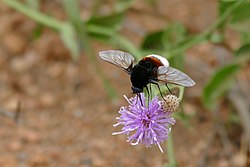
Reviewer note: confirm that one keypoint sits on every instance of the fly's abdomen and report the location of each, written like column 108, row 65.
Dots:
column 139, row 77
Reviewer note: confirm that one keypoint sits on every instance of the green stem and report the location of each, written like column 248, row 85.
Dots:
column 35, row 15
column 204, row 35
column 170, row 148
column 181, row 94
column 72, row 9
column 170, row 144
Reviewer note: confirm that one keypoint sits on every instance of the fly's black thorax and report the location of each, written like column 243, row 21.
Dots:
column 141, row 74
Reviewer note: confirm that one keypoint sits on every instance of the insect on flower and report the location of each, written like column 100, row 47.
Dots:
column 145, row 125
column 149, row 70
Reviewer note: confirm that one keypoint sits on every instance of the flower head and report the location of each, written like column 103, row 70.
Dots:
column 170, row 103
column 144, row 124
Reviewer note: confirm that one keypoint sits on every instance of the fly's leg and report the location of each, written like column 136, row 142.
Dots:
column 148, row 94
column 168, row 88
column 139, row 95
column 154, row 82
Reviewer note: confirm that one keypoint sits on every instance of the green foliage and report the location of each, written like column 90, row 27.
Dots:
column 224, row 5
column 244, row 50
column 239, row 17
column 242, row 55
column 169, row 37
column 153, row 41
column 245, row 37
column 73, row 11
column 103, row 28
column 173, row 35
column 218, row 84
column 171, row 41
column 112, row 21
column 123, row 5
column 68, row 37
column 241, row 13
column 233, row 12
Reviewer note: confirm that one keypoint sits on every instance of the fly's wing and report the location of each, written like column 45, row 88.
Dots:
column 121, row 59
column 169, row 74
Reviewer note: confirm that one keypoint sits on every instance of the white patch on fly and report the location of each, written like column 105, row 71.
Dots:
column 162, row 59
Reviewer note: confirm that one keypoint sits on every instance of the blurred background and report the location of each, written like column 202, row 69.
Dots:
column 58, row 100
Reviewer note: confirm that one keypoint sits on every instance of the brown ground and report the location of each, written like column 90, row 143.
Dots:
column 66, row 117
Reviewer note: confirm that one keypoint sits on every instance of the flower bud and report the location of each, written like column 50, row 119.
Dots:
column 170, row 103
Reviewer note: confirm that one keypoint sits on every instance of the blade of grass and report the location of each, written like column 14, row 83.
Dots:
column 221, row 80
column 61, row 27
column 72, row 9
column 64, row 28
column 35, row 15
column 204, row 36
column 68, row 36
column 33, row 3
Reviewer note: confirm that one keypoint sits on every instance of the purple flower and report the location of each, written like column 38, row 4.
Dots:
column 145, row 124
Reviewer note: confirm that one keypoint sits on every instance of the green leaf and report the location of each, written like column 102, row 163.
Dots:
column 173, row 35
column 72, row 9
column 153, row 41
column 243, row 53
column 167, row 38
column 245, row 37
column 104, row 28
column 112, row 21
column 218, row 84
column 177, row 61
column 68, row 36
column 243, row 50
column 241, row 13
column 122, row 5
column 224, row 5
